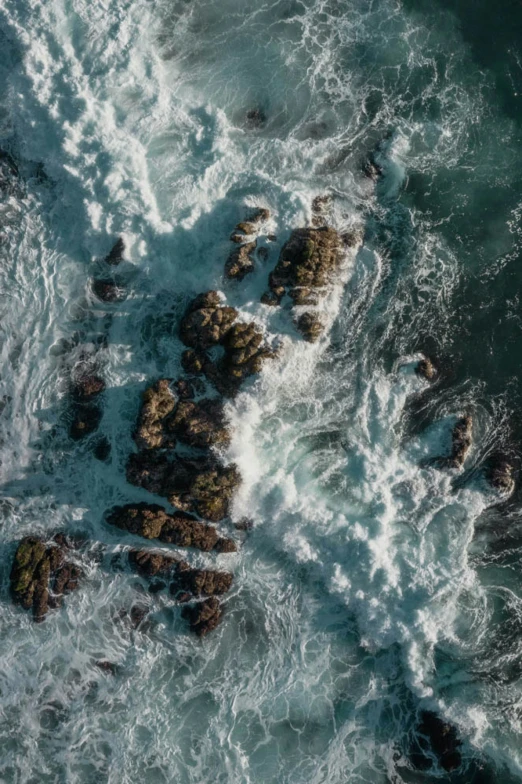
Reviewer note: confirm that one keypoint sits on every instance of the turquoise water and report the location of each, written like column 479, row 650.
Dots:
column 372, row 585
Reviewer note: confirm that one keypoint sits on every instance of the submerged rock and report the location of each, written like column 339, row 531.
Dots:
column 41, row 574
column 499, row 474
column 152, row 522
column 116, row 254
column 107, row 290
column 426, row 369
column 86, row 419
column 442, row 740
column 102, row 449
column 255, row 118
column 203, row 617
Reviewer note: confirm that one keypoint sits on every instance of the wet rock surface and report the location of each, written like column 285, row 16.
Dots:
column 204, row 616
column 85, row 420
column 426, row 369
column 158, row 402
column 41, row 574
column 201, row 582
column 107, row 290
column 87, row 386
column 151, row 521
column 240, row 261
column 310, row 326
column 206, row 321
column 499, row 473
column 148, row 563
column 461, row 440
column 116, row 254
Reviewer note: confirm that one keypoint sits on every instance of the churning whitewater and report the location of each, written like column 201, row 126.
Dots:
column 326, row 478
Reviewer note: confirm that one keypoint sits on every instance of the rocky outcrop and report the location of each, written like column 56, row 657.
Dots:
column 151, row 521
column 426, row 369
column 107, row 290
column 321, row 209
column 200, row 582
column 499, row 474
column 117, row 252
column 41, row 574
column 87, row 386
column 310, row 326
column 461, row 441
column 440, row 738
column 240, row 262
column 307, row 264
column 157, row 403
column 203, row 617
column 148, row 563
column 244, row 350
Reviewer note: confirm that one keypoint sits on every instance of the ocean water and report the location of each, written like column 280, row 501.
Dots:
column 372, row 586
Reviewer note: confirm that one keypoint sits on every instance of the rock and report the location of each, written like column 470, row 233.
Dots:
column 184, row 389
column 148, row 563
column 244, row 354
column 246, row 227
column 102, row 449
column 156, row 586
column 137, row 614
column 461, row 440
column 86, row 387
column 193, row 361
column 499, row 474
column 426, row 369
column 307, row 262
column 152, row 522
column 371, row 168
column 245, row 524
column 321, row 207
column 157, row 403
column 310, row 326
column 206, row 321
column 116, row 254
column 41, row 575
column 108, row 290
column 443, row 740
column 271, row 238
column 203, row 617
column 240, row 263
column 85, row 421
column 201, row 582
column 255, row 118
column 260, row 215
column 200, row 424
column 237, row 238
column 107, row 666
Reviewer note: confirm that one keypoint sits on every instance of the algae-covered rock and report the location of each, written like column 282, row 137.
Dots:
column 204, row 616
column 240, row 262
column 206, row 321
column 158, row 402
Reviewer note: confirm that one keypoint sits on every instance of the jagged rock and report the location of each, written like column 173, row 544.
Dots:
column 442, row 739
column 152, row 522
column 307, row 262
column 157, row 403
column 255, row 118
column 321, row 207
column 200, row 424
column 426, row 369
column 156, row 586
column 184, row 389
column 86, row 420
column 148, row 563
column 240, row 263
column 201, row 582
column 193, row 361
column 116, row 254
column 206, row 321
column 41, row 575
column 107, row 290
column 85, row 387
column 310, row 326
column 203, row 617
column 500, row 474
column 461, row 440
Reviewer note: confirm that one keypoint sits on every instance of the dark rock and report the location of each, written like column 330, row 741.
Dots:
column 184, row 389
column 116, row 254
column 426, row 369
column 245, row 524
column 86, row 420
column 206, row 321
column 156, row 586
column 240, row 263
column 203, row 617
column 260, row 215
column 200, row 424
column 157, row 402
column 372, row 169
column 461, row 440
column 321, row 208
column 102, row 449
column 237, row 238
column 307, row 261
column 137, row 615
column 499, row 474
column 193, row 361
column 86, row 387
column 148, row 563
column 152, row 522
column 443, row 740
column 41, row 575
column 271, row 238
column 201, row 582
column 255, row 118
column 107, row 666
column 108, row 290
column 310, row 326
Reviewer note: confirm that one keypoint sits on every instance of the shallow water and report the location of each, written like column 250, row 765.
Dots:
column 372, row 585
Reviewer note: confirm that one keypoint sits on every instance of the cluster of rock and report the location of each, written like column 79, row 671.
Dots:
column 110, row 288
column 43, row 573
column 207, row 325
column 86, row 413
column 240, row 261
column 306, row 267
